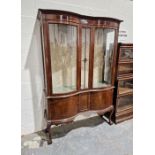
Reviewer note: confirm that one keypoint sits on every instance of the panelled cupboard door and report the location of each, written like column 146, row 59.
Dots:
column 62, row 108
column 101, row 100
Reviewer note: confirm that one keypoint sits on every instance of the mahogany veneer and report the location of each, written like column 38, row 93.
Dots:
column 64, row 107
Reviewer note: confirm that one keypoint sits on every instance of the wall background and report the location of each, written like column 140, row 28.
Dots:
column 32, row 99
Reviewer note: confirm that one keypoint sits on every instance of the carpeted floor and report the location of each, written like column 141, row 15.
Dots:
column 86, row 137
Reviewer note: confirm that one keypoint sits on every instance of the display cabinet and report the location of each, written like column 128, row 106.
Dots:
column 79, row 59
column 123, row 98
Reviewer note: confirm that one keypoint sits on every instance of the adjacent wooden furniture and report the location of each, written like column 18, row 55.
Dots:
column 79, row 58
column 123, row 98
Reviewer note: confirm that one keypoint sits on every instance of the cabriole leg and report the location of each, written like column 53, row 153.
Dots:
column 48, row 132
column 110, row 117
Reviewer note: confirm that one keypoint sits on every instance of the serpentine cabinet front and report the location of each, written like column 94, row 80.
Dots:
column 79, row 59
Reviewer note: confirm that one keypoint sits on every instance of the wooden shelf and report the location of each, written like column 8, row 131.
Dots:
column 124, row 69
column 126, row 61
column 124, row 90
column 125, row 107
column 124, row 115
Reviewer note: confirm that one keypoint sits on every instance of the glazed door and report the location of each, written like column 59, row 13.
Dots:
column 63, row 53
column 85, row 54
column 103, row 57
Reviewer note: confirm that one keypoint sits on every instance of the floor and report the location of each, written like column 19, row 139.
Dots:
column 93, row 136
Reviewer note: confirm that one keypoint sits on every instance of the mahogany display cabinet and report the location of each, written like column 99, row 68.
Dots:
column 123, row 98
column 79, row 60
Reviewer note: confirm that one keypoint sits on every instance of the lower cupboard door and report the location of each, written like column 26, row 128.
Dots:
column 101, row 100
column 62, row 108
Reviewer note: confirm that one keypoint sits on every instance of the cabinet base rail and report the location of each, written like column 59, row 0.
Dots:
column 108, row 111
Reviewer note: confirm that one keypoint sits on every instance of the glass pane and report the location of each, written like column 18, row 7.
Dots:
column 103, row 53
column 124, row 102
column 126, row 54
column 63, row 47
column 125, row 86
column 85, row 57
column 125, row 68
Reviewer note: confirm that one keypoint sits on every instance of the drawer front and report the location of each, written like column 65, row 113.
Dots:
column 101, row 100
column 124, row 102
column 62, row 108
column 126, row 54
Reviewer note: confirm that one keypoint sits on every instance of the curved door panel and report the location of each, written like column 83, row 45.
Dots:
column 63, row 108
column 63, row 51
column 103, row 57
column 101, row 100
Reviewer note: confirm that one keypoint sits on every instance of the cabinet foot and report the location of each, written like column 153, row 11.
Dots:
column 48, row 132
column 107, row 117
column 110, row 117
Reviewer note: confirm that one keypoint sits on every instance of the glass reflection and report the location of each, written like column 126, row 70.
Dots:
column 63, row 49
column 85, row 57
column 103, row 53
column 125, row 86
